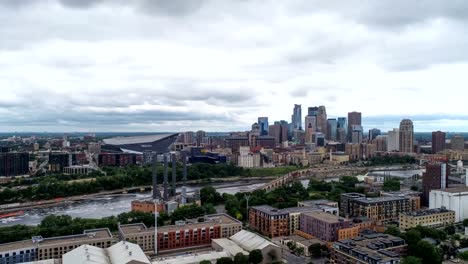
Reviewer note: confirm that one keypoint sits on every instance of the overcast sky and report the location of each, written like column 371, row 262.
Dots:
column 175, row 65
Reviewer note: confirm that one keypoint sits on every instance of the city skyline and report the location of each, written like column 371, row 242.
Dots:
column 115, row 66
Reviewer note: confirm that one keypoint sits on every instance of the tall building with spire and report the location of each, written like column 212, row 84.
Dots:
column 406, row 136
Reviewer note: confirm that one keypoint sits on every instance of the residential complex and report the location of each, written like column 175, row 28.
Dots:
column 437, row 217
column 369, row 248
column 39, row 248
column 184, row 234
column 323, row 226
column 378, row 209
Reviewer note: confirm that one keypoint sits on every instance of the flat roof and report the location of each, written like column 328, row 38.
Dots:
column 326, row 217
column 86, row 236
column 429, row 212
column 192, row 258
column 117, row 141
column 458, row 189
column 210, row 220
column 369, row 200
column 267, row 209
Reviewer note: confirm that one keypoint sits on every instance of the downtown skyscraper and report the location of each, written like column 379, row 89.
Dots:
column 354, row 119
column 406, row 136
column 296, row 118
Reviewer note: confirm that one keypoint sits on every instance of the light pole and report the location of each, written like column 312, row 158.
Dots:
column 156, row 201
column 247, row 198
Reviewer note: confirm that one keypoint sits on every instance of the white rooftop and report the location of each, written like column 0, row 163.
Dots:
column 120, row 253
column 135, row 139
column 86, row 254
column 192, row 258
column 250, row 241
column 125, row 252
column 229, row 246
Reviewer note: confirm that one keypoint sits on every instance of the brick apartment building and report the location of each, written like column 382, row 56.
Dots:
column 182, row 235
column 323, row 226
column 273, row 222
column 377, row 209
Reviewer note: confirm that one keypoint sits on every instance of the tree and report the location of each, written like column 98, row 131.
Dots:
column 392, row 230
column 450, row 229
column 240, row 258
column 210, row 195
column 411, row 260
column 463, row 255
column 315, row 249
column 205, row 262
column 299, row 251
column 255, row 256
column 224, row 260
column 427, row 252
column 391, row 185
column 465, row 222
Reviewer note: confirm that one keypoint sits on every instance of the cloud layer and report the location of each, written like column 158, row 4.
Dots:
column 175, row 65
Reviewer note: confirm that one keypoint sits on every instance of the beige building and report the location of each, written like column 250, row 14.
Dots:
column 406, row 136
column 430, row 218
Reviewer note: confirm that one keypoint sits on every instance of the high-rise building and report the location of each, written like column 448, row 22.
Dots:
column 279, row 132
column 188, row 137
column 354, row 119
column 438, row 141
column 312, row 111
column 332, row 127
column 14, row 163
column 457, row 142
column 322, row 120
column 406, row 136
column 341, row 135
column 310, row 127
column 356, row 134
column 373, row 133
column 342, row 123
column 393, row 140
column 435, row 178
column 263, row 123
column 200, row 137
column 381, row 143
column 297, row 117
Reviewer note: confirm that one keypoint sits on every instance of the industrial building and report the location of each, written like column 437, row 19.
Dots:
column 120, row 253
column 454, row 199
column 369, row 248
column 437, row 217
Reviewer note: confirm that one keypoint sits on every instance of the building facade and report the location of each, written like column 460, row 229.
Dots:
column 369, row 248
column 457, row 143
column 454, row 199
column 393, row 140
column 354, row 119
column 438, row 141
column 322, row 225
column 435, row 178
column 433, row 218
column 14, row 163
column 406, row 136
column 182, row 235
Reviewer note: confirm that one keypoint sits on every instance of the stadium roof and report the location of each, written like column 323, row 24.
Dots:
column 117, row 141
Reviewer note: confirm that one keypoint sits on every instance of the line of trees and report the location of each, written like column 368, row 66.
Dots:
column 61, row 225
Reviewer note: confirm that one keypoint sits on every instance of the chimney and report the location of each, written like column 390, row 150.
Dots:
column 443, row 176
column 166, row 181
column 174, row 175
column 184, row 179
column 466, row 178
column 156, row 192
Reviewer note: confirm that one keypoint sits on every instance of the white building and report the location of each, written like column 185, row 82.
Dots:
column 455, row 199
column 393, row 140
column 248, row 159
column 120, row 253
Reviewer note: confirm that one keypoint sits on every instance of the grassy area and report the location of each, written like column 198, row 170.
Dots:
column 277, row 171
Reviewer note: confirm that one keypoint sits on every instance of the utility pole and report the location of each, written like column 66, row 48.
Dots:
column 247, row 198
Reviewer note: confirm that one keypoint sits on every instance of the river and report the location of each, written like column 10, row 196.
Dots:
column 116, row 204
column 111, row 204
